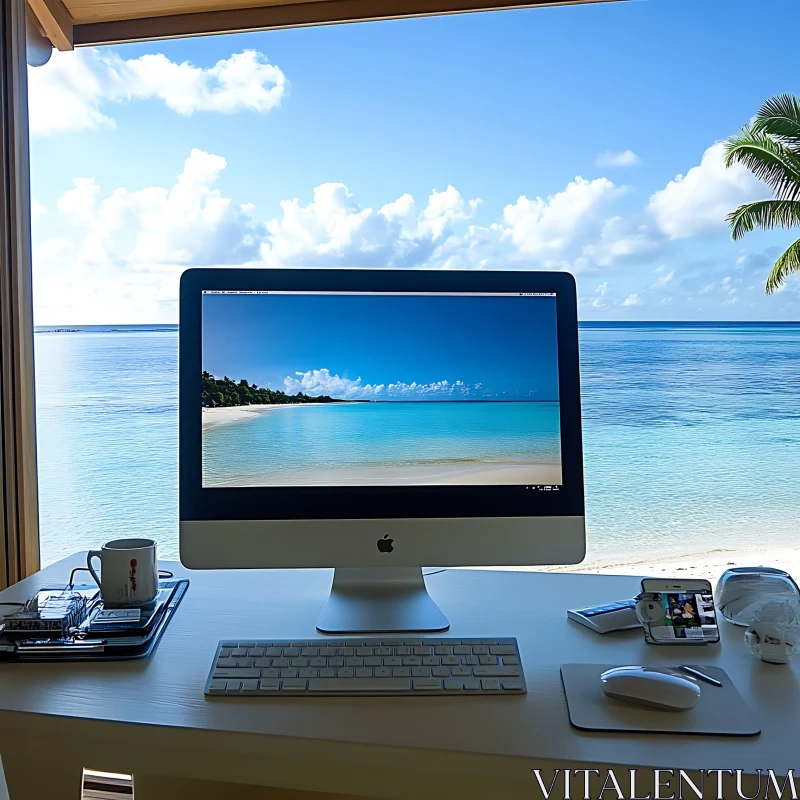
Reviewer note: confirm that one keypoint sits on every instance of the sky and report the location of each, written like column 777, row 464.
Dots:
column 361, row 347
column 585, row 138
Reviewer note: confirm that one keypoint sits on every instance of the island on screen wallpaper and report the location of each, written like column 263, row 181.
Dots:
column 349, row 390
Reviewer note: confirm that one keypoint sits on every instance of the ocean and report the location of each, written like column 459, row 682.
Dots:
column 376, row 442
column 691, row 436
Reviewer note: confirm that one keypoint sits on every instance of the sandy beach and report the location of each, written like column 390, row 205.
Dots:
column 476, row 474
column 219, row 416
column 709, row 564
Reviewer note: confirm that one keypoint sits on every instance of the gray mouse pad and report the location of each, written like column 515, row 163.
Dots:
column 720, row 710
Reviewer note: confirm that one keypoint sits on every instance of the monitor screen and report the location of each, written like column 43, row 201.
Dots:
column 380, row 389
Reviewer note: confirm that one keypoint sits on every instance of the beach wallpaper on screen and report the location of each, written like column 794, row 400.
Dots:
column 354, row 390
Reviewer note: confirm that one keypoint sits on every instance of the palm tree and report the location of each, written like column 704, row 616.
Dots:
column 770, row 148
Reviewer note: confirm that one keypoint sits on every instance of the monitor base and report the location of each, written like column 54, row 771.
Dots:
column 380, row 600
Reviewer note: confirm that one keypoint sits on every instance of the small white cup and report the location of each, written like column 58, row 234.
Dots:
column 128, row 572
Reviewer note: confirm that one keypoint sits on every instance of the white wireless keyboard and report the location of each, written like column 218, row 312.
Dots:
column 382, row 666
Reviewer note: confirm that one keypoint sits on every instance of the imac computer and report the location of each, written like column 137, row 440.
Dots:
column 378, row 422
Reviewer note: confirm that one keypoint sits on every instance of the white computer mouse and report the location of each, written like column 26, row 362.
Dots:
column 650, row 686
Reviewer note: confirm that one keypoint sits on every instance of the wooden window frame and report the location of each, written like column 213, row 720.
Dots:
column 19, row 528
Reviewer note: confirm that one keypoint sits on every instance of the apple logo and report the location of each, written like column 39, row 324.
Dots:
column 385, row 545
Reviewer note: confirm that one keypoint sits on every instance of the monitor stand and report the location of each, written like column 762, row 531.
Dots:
column 380, row 600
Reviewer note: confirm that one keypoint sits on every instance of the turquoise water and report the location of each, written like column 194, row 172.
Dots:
column 691, row 436
column 299, row 444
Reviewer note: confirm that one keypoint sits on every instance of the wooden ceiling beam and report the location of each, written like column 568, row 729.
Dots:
column 55, row 21
column 287, row 15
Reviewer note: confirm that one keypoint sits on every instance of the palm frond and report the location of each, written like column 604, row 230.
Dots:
column 780, row 117
column 766, row 214
column 769, row 160
column 788, row 263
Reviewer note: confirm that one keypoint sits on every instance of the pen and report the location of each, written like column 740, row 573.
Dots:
column 701, row 675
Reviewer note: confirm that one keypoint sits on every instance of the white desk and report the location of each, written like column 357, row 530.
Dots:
column 150, row 716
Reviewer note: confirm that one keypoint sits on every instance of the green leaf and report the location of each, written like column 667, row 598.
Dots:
column 766, row 214
column 780, row 117
column 768, row 159
column 788, row 263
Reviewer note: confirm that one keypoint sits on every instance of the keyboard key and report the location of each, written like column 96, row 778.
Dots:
column 262, row 662
column 291, row 652
column 420, row 672
column 441, row 650
column 336, row 662
column 269, row 685
column 327, row 673
column 430, row 661
column 402, row 651
column 392, row 661
column 511, row 684
column 487, row 660
column 239, row 651
column 503, row 650
column 237, row 673
column 490, row 684
column 307, row 673
column 255, row 652
column 383, row 651
column 510, row 661
column 469, row 660
column 412, row 661
column 217, row 686
column 462, row 650
column 461, row 672
column 400, row 672
column 345, row 672
column 250, row 685
column 496, row 672
column 449, row 661
column 363, row 651
column 298, row 662
column 293, row 686
column 224, row 652
column 440, row 672
column 274, row 652
column 480, row 650
column 471, row 684
column 318, row 662
column 372, row 661
column 354, row 662
column 280, row 663
column 270, row 673
column 288, row 673
column 384, row 672
column 232, row 687
column 364, row 672
column 427, row 684
column 365, row 685
column 452, row 685
column 422, row 651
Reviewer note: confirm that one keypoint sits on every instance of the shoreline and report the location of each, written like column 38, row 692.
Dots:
column 709, row 564
column 219, row 416
column 464, row 474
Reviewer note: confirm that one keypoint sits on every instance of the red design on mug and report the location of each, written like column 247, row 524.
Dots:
column 133, row 574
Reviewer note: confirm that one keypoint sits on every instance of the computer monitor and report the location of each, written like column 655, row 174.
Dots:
column 379, row 421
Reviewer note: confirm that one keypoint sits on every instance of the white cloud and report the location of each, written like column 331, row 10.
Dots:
column 334, row 230
column 698, row 202
column 70, row 92
column 664, row 279
column 321, row 382
column 626, row 158
column 602, row 289
column 190, row 224
column 631, row 300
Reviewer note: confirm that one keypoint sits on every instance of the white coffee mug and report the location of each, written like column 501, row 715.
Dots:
column 128, row 572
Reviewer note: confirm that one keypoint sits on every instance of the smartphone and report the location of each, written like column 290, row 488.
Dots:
column 677, row 611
